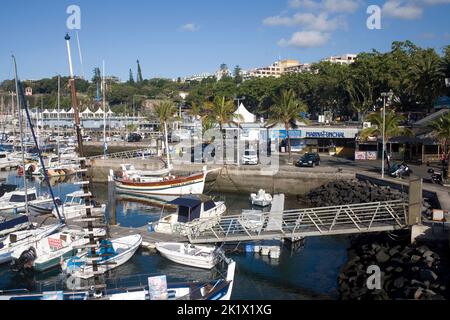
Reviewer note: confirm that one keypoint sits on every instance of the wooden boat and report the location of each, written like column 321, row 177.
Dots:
column 261, row 199
column 192, row 211
column 167, row 185
column 23, row 239
column 129, row 171
column 156, row 288
column 204, row 257
column 112, row 255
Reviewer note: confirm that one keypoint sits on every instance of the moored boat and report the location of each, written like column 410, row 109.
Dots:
column 204, row 257
column 261, row 199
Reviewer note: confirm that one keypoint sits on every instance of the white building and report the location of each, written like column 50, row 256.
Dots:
column 343, row 59
column 276, row 70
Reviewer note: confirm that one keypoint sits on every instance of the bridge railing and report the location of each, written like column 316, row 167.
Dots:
column 133, row 154
column 346, row 219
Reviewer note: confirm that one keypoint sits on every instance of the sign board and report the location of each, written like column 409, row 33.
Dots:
column 55, row 244
column 372, row 155
column 360, row 155
column 158, row 288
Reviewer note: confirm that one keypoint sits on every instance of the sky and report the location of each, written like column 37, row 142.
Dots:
column 178, row 38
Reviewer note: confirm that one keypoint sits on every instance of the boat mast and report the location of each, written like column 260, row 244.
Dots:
column 167, row 144
column 87, row 195
column 105, row 145
column 21, row 133
column 59, row 119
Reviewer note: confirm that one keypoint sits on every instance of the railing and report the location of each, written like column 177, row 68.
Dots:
column 347, row 219
column 134, row 154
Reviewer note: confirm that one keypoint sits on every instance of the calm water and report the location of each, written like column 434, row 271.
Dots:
column 308, row 273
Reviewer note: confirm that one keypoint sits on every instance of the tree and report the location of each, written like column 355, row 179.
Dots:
column 165, row 112
column 237, row 74
column 97, row 77
column 427, row 77
column 441, row 130
column 221, row 112
column 393, row 127
column 139, row 78
column 287, row 110
column 131, row 78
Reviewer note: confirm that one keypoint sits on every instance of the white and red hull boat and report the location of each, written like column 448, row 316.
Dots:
column 170, row 185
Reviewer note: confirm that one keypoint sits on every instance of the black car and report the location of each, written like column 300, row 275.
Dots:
column 309, row 160
column 134, row 137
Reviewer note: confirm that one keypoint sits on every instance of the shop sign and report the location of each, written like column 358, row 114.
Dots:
column 326, row 134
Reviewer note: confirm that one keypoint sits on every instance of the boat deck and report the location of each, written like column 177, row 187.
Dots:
column 149, row 239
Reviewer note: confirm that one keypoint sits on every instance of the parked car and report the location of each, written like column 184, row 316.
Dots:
column 87, row 139
column 250, row 157
column 134, row 137
column 309, row 160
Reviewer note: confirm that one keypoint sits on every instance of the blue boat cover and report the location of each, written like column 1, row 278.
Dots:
column 9, row 224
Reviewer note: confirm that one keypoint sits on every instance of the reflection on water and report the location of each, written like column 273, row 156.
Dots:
column 310, row 273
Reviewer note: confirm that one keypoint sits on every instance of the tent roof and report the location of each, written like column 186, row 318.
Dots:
column 87, row 111
column 99, row 111
column 46, row 111
column 247, row 116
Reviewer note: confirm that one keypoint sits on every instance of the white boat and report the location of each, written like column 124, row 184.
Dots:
column 129, row 171
column 261, row 199
column 74, row 207
column 197, row 212
column 252, row 220
column 113, row 254
column 161, row 185
column 49, row 250
column 16, row 201
column 23, row 239
column 7, row 162
column 204, row 257
column 158, row 288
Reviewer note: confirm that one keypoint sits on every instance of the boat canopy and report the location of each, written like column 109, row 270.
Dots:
column 190, row 208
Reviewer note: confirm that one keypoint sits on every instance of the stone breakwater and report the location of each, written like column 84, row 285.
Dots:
column 337, row 193
column 417, row 272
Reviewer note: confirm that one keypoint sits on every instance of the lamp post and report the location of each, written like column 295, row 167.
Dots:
column 385, row 95
column 239, row 131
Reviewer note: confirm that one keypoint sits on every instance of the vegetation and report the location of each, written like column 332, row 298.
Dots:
column 415, row 75
column 287, row 110
column 441, row 130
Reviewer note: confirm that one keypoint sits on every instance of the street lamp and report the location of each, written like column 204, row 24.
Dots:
column 385, row 95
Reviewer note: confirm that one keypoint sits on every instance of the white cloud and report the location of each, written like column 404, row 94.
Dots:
column 402, row 9
column 347, row 6
column 308, row 21
column 190, row 27
column 432, row 2
column 305, row 39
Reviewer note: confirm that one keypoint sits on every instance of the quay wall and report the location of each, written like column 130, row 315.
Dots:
column 288, row 179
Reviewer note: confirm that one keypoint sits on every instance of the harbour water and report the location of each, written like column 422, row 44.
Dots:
column 310, row 272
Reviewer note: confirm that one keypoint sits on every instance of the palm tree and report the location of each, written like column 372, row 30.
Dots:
column 441, row 130
column 393, row 127
column 221, row 112
column 165, row 112
column 426, row 78
column 287, row 109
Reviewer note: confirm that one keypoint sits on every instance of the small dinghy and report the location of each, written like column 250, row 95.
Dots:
column 261, row 199
column 112, row 254
column 205, row 257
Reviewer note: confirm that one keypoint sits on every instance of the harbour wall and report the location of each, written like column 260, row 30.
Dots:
column 288, row 179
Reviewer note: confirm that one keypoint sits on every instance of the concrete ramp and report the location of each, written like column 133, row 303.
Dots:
column 275, row 222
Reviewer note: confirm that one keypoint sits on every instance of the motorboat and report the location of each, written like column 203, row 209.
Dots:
column 111, row 254
column 74, row 206
column 16, row 201
column 156, row 288
column 48, row 252
column 23, row 239
column 204, row 257
column 13, row 222
column 261, row 199
column 197, row 212
column 6, row 161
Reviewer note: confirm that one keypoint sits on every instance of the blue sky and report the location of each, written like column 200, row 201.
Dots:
column 175, row 38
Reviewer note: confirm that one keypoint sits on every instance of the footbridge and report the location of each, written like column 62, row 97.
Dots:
column 294, row 224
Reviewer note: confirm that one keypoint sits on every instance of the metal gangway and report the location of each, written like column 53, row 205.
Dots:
column 294, row 224
column 133, row 154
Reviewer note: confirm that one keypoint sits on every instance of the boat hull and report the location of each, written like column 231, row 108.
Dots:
column 176, row 187
column 203, row 262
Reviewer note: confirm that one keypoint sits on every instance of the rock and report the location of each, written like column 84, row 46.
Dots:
column 399, row 269
column 389, row 269
column 415, row 258
column 382, row 257
column 418, row 294
column 427, row 253
column 428, row 275
column 393, row 252
column 399, row 282
column 423, row 249
column 376, row 247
